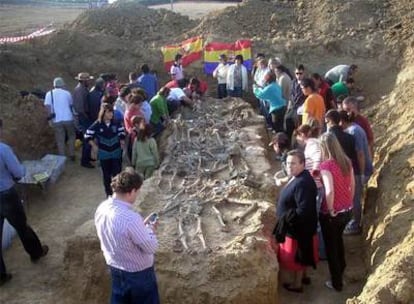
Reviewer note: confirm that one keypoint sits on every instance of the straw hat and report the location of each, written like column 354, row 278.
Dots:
column 83, row 76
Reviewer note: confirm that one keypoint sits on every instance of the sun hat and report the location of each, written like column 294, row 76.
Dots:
column 83, row 76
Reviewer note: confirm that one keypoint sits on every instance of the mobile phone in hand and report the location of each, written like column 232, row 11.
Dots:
column 153, row 218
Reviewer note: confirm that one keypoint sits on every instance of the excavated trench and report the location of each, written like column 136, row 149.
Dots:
column 216, row 207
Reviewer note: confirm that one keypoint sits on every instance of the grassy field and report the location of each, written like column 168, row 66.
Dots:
column 18, row 20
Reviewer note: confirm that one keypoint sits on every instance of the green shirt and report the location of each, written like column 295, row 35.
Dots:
column 159, row 108
column 145, row 153
column 339, row 89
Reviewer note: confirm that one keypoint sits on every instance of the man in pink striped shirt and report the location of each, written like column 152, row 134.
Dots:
column 128, row 243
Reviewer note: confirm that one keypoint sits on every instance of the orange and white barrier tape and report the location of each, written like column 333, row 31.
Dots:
column 42, row 32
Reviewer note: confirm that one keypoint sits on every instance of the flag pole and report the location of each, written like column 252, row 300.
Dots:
column 172, row 7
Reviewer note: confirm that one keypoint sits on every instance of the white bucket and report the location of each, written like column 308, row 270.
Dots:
column 279, row 177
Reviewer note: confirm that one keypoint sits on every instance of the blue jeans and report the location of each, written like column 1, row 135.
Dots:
column 134, row 287
column 355, row 223
column 236, row 92
column 221, row 90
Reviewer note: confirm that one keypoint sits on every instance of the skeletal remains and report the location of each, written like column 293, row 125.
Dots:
column 207, row 164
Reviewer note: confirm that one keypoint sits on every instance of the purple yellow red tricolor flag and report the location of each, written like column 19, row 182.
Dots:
column 191, row 49
column 213, row 50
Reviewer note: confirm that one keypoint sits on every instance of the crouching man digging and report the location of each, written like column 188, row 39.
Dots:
column 128, row 243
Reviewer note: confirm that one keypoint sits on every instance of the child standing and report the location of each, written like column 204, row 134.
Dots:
column 145, row 156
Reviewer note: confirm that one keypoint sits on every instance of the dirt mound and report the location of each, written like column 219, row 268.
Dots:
column 31, row 137
column 376, row 35
column 390, row 205
column 134, row 22
column 214, row 201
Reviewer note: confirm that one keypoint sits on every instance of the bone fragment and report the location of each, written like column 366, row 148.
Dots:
column 199, row 233
column 209, row 153
column 241, row 218
column 224, row 167
column 170, row 185
column 198, row 193
column 228, row 200
column 213, row 167
column 182, row 234
column 178, row 193
column 219, row 216
column 199, row 163
column 244, row 164
column 197, row 181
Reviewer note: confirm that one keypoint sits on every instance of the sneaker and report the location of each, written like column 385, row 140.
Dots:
column 329, row 285
column 4, row 278
column 45, row 250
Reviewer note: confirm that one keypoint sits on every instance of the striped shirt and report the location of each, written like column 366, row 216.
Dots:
column 108, row 137
column 313, row 158
column 127, row 244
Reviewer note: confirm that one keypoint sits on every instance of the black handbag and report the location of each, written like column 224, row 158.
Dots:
column 52, row 115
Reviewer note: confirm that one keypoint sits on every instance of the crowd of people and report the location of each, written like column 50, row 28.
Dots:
column 325, row 146
column 323, row 142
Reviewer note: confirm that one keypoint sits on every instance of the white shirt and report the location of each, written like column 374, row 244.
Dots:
column 62, row 104
column 176, row 94
column 177, row 72
column 221, row 73
column 120, row 105
column 338, row 73
column 146, row 111
column 259, row 76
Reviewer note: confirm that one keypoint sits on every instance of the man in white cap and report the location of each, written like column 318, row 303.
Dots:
column 59, row 103
column 81, row 107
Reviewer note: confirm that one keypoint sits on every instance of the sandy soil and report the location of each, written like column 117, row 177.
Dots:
column 195, row 9
column 66, row 206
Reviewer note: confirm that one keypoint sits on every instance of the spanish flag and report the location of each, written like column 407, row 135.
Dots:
column 191, row 49
column 213, row 50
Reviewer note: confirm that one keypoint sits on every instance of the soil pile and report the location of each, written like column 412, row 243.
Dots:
column 390, row 206
column 214, row 201
column 376, row 35
column 31, row 137
column 134, row 22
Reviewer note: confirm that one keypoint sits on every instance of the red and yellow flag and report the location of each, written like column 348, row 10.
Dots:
column 191, row 49
column 213, row 50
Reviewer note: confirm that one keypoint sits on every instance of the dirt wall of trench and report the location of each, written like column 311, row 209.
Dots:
column 214, row 161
